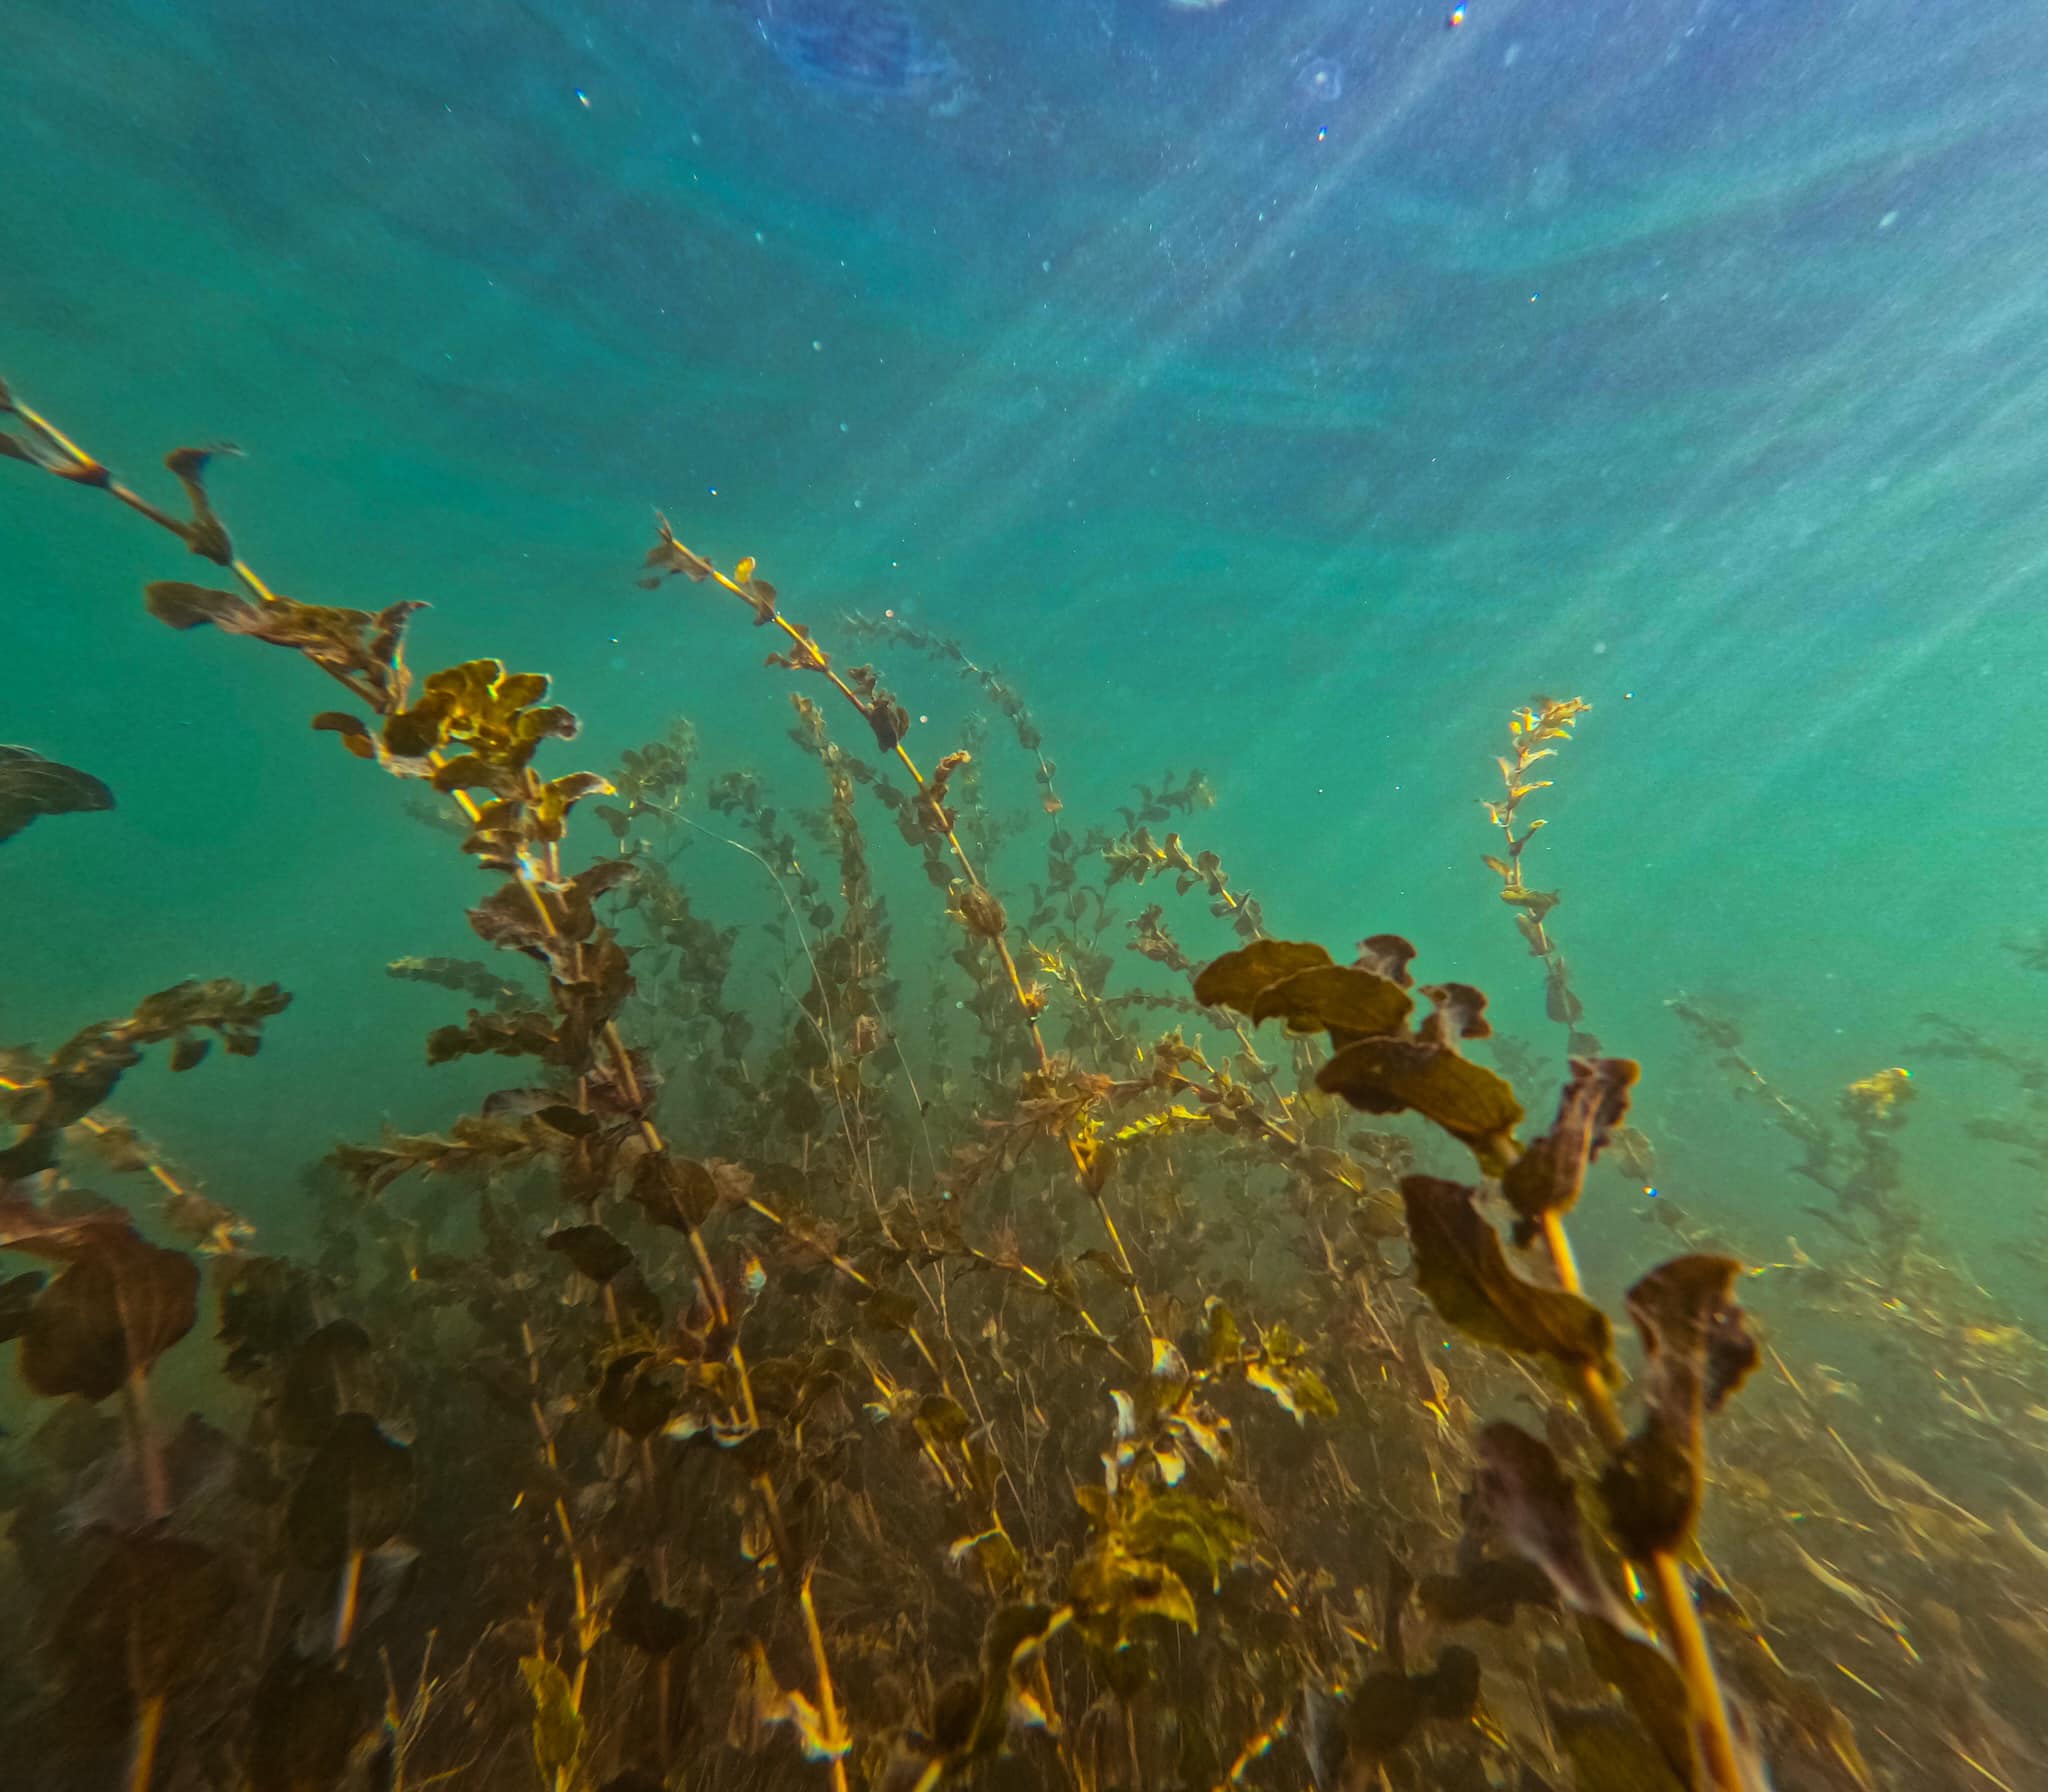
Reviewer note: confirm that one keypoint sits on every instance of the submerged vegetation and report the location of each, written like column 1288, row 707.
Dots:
column 1002, row 1344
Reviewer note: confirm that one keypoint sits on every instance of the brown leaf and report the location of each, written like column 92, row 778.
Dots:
column 1696, row 1352
column 1236, row 979
column 1348, row 1002
column 1611, row 1752
column 594, row 1251
column 509, row 917
column 149, row 1617
column 1654, row 1691
column 669, row 556
column 890, row 721
column 1386, row 1076
column 1463, row 1270
column 31, row 785
column 1521, row 1497
column 354, row 1495
column 674, row 1191
column 118, row 1306
column 1386, row 1707
column 463, row 974
column 205, row 534
column 1387, row 955
column 1548, row 1176
column 1458, row 1012
column 480, row 710
column 326, row 1376
column 630, row 1399
column 359, row 645
column 1490, row 1589
column 17, row 1299
column 521, row 1032
column 266, row 1311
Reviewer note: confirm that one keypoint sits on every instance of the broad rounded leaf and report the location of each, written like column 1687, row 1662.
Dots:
column 591, row 1249
column 112, row 1312
column 1235, row 979
column 1386, row 1076
column 354, row 1495
column 1338, row 997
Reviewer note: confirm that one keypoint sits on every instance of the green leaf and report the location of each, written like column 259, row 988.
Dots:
column 557, row 1725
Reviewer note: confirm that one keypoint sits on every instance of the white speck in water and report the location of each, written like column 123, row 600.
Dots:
column 1511, row 55
column 842, row 429
column 1888, row 220
column 857, row 503
column 817, row 347
column 1045, row 267
column 1599, row 646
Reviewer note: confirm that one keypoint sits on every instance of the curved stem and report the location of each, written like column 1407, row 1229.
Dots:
column 1679, row 1616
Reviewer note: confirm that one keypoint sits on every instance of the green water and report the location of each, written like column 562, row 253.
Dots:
column 1683, row 356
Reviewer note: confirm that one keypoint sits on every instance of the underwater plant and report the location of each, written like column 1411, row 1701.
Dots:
column 770, row 1387
column 1535, row 732
column 31, row 785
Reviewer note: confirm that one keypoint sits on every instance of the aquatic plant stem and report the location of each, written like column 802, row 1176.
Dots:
column 345, row 1600
column 586, row 1630
column 149, row 1726
column 811, row 657
column 150, row 1469
column 713, row 1288
column 1680, row 1618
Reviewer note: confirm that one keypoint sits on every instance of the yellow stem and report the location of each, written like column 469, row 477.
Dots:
column 828, row 1701
column 149, row 1724
column 1675, row 1607
column 345, row 1602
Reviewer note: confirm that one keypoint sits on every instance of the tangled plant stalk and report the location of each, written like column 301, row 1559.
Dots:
column 980, row 911
column 471, row 732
